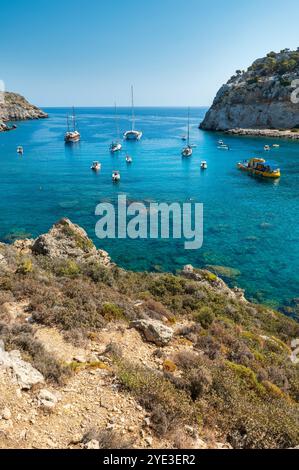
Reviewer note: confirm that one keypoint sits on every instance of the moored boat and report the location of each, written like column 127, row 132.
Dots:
column 260, row 167
column 72, row 136
column 20, row 150
column 96, row 166
column 115, row 176
column 267, row 148
column 116, row 146
column 133, row 134
column 187, row 151
column 203, row 165
column 129, row 159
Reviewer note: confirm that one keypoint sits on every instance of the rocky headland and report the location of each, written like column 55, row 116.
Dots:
column 263, row 100
column 93, row 356
column 14, row 107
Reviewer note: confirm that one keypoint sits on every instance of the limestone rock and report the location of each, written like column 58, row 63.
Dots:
column 260, row 98
column 5, row 414
column 16, row 108
column 22, row 372
column 154, row 331
column 47, row 399
column 66, row 240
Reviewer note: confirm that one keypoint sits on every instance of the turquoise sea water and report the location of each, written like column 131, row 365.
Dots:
column 249, row 224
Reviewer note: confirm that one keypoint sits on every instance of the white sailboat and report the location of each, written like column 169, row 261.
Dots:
column 133, row 134
column 116, row 146
column 187, row 151
column 72, row 135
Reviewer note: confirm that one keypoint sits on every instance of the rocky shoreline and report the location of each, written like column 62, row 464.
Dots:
column 15, row 107
column 275, row 133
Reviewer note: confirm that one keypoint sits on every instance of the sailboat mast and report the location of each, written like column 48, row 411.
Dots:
column 133, row 114
column 188, row 138
column 116, row 122
column 74, row 119
column 68, row 123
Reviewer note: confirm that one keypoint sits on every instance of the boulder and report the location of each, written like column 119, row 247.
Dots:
column 66, row 240
column 47, row 399
column 154, row 331
column 22, row 372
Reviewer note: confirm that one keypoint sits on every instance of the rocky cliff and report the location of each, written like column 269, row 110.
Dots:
column 14, row 107
column 263, row 97
column 93, row 356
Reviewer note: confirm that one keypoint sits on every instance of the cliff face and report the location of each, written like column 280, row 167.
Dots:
column 15, row 107
column 259, row 98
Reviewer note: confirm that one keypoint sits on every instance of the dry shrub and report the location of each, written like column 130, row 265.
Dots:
column 169, row 407
column 107, row 439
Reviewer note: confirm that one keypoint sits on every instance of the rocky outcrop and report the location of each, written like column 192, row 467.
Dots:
column 66, row 240
column 22, row 372
column 154, row 331
column 263, row 97
column 14, row 107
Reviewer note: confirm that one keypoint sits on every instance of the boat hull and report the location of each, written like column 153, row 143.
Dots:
column 132, row 135
column 72, row 137
column 255, row 172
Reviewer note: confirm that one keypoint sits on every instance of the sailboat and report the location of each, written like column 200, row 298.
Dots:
column 187, row 151
column 72, row 135
column 116, row 146
column 133, row 134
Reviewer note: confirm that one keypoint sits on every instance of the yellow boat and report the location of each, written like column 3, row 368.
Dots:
column 260, row 167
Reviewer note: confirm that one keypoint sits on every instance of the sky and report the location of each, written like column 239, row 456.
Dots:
column 174, row 52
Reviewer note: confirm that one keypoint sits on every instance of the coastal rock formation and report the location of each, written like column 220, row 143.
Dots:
column 69, row 241
column 263, row 97
column 14, row 107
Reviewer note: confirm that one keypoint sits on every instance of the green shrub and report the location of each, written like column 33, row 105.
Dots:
column 205, row 316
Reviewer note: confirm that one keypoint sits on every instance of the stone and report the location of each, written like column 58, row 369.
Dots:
column 5, row 414
column 154, row 331
column 66, row 240
column 47, row 399
column 22, row 372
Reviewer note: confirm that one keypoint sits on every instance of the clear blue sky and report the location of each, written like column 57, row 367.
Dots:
column 175, row 52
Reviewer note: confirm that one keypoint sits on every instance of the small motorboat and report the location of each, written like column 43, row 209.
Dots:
column 260, row 167
column 223, row 147
column 129, row 159
column 267, row 148
column 20, row 150
column 115, row 147
column 187, row 151
column 220, row 142
column 96, row 166
column 203, row 165
column 115, row 176
column 276, row 146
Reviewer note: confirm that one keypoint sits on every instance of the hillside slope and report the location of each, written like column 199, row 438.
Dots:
column 100, row 357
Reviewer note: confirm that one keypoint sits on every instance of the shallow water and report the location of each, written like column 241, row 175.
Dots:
column 249, row 224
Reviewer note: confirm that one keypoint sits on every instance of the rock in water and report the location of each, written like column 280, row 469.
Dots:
column 260, row 98
column 15, row 107
column 154, row 331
